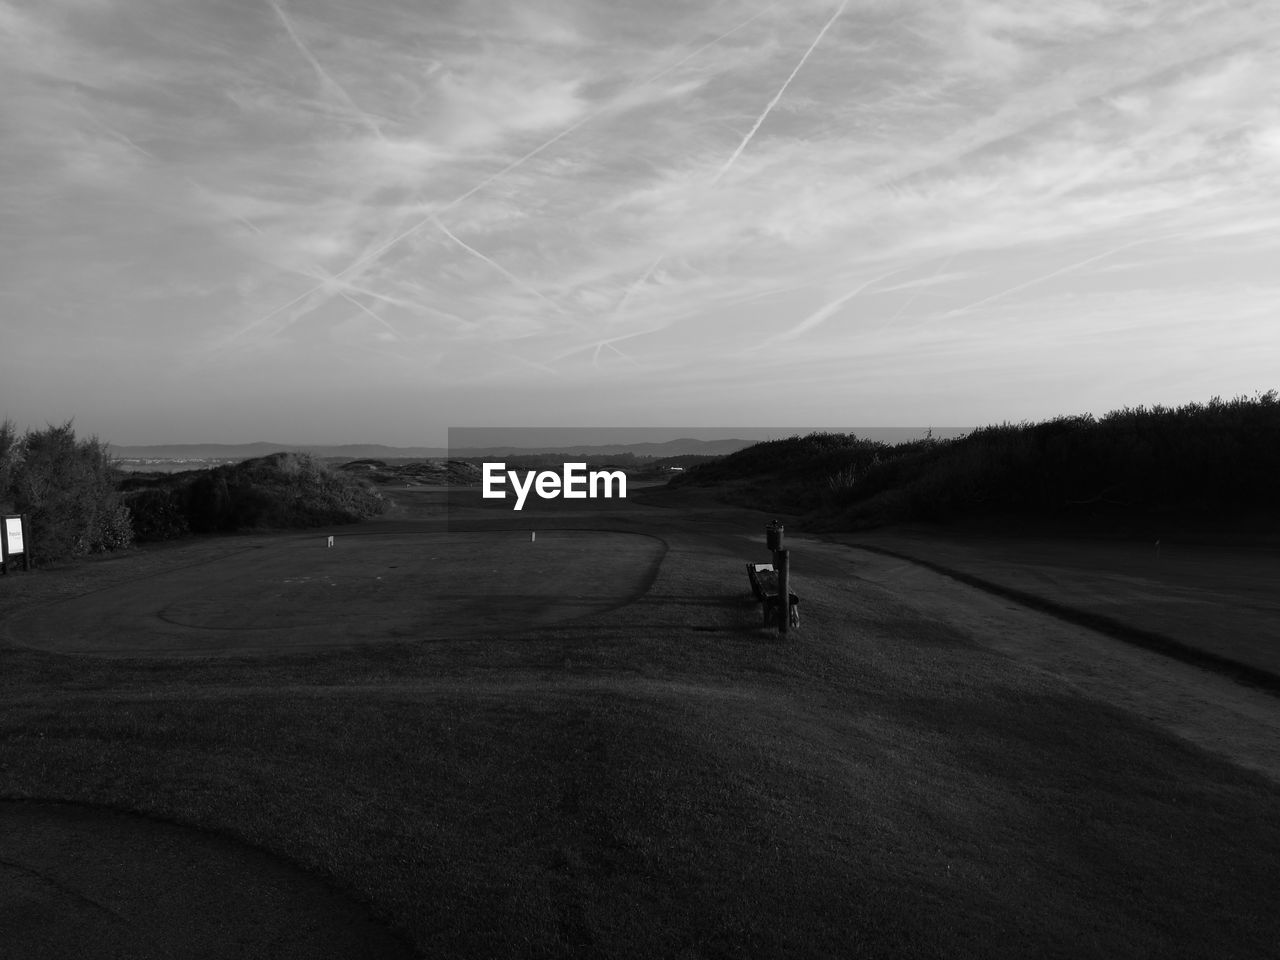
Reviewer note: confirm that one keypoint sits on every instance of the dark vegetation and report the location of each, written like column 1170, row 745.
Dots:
column 411, row 473
column 66, row 488
column 77, row 502
column 278, row 491
column 1127, row 470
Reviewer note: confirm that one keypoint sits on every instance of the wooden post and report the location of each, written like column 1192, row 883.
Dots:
column 782, row 564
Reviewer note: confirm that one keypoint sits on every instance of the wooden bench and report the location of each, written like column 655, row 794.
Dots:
column 764, row 584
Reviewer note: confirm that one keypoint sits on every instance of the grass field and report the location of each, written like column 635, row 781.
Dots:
column 665, row 777
column 294, row 594
column 1219, row 600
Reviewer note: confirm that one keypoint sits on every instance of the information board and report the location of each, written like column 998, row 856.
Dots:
column 13, row 535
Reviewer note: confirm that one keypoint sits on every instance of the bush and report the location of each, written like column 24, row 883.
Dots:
column 1207, row 460
column 280, row 491
column 157, row 514
column 67, row 488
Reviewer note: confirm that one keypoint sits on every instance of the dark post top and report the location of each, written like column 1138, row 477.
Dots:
column 773, row 534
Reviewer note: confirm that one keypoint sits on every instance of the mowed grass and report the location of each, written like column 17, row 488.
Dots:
column 1220, row 600
column 670, row 780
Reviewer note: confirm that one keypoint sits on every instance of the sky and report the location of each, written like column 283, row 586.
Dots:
column 338, row 221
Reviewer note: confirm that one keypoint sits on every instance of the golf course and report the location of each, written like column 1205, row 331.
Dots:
column 470, row 732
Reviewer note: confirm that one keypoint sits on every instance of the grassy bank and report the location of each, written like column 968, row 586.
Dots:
column 278, row 491
column 1133, row 472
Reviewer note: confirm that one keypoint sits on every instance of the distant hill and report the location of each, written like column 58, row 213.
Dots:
column 1142, row 472
column 245, row 451
column 685, row 446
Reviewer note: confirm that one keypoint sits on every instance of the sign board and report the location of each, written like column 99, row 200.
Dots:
column 13, row 535
column 13, row 543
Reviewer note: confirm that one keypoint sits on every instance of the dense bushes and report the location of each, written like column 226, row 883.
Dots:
column 67, row 489
column 283, row 490
column 1203, row 460
column 158, row 514
column 793, row 475
column 78, row 503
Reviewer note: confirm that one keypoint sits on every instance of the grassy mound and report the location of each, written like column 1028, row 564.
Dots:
column 278, row 491
column 1126, row 470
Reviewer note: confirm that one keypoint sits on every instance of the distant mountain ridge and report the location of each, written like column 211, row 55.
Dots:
column 684, row 446
column 243, row 451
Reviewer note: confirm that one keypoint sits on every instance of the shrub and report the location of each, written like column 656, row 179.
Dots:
column 282, row 490
column 67, row 489
column 157, row 514
column 1198, row 459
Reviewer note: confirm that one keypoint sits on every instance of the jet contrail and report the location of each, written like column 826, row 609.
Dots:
column 778, row 96
column 916, row 292
column 745, row 140
column 352, row 300
column 123, row 138
column 377, row 252
column 324, row 75
column 497, row 266
column 1048, row 276
column 626, row 296
column 825, row 312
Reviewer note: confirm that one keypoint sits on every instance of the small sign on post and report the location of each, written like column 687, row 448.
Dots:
column 14, row 542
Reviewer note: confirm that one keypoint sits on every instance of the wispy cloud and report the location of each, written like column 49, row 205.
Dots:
column 629, row 193
column 321, row 72
column 733, row 157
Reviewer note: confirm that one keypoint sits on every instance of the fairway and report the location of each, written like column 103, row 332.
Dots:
column 105, row 884
column 295, row 594
column 587, row 745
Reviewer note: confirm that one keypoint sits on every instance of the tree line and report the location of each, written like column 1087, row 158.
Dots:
column 1199, row 460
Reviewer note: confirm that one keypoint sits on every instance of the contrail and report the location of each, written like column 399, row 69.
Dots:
column 497, row 266
column 352, row 300
column 825, row 312
column 1048, row 276
column 778, row 96
column 320, row 70
column 610, row 343
column 589, row 117
column 710, row 43
column 595, row 357
column 747, row 139
column 123, row 138
column 377, row 252
column 531, row 363
column 916, row 292
column 626, row 296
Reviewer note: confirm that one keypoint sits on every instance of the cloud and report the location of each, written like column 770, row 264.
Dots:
column 649, row 180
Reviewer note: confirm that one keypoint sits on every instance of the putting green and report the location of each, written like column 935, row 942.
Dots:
column 297, row 594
